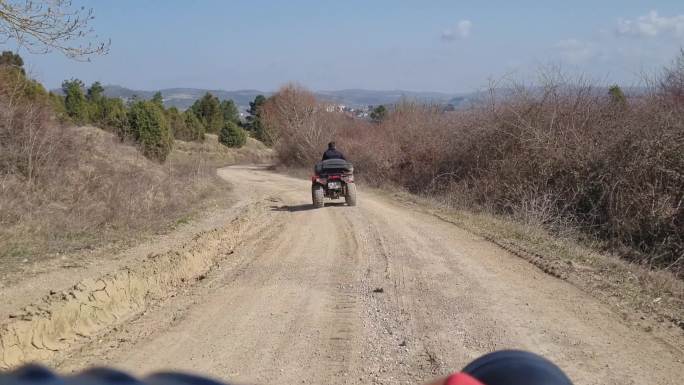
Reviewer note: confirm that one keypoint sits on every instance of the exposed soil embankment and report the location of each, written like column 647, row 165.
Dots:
column 64, row 318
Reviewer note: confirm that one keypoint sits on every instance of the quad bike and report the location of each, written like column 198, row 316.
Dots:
column 506, row 367
column 333, row 178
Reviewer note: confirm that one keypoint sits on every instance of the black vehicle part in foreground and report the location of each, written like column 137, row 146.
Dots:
column 333, row 178
column 508, row 367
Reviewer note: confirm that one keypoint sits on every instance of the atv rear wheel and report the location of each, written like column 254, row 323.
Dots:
column 317, row 195
column 350, row 197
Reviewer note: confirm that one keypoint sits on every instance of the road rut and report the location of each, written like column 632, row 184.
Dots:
column 373, row 294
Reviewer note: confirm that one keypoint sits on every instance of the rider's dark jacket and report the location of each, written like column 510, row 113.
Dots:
column 332, row 153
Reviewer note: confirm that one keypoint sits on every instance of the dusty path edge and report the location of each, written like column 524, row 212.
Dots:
column 629, row 290
column 63, row 320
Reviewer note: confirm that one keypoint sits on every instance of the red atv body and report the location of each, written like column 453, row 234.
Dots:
column 333, row 179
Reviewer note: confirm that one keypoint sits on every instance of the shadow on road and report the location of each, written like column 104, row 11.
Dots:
column 303, row 207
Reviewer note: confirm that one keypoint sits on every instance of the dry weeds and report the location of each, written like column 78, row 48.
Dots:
column 561, row 153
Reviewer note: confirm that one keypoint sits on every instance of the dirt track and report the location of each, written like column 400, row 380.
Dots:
column 372, row 294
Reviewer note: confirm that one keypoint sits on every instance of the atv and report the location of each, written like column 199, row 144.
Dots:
column 333, row 178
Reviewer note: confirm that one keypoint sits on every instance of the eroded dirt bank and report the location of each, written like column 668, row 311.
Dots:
column 64, row 318
column 371, row 294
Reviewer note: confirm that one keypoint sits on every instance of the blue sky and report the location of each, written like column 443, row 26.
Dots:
column 450, row 46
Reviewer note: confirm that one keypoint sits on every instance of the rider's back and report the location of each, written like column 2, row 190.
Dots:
column 332, row 153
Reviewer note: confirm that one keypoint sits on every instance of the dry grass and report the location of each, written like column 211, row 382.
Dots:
column 64, row 189
column 107, row 192
column 253, row 152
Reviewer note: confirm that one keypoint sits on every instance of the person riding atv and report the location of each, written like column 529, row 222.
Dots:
column 333, row 178
column 332, row 153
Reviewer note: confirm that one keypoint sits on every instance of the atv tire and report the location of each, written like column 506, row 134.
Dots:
column 317, row 195
column 350, row 197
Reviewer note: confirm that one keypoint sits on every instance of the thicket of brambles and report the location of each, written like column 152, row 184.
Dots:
column 562, row 153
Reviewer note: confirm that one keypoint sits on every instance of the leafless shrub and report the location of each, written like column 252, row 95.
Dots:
column 559, row 153
column 29, row 139
column 671, row 82
column 297, row 124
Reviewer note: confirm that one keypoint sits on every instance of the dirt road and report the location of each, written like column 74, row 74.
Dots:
column 376, row 293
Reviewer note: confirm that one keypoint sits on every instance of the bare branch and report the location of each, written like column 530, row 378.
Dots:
column 43, row 26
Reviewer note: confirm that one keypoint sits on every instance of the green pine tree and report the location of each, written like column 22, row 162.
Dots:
column 75, row 100
column 208, row 110
column 232, row 135
column 148, row 126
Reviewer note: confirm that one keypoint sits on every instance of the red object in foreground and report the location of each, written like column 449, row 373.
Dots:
column 461, row 379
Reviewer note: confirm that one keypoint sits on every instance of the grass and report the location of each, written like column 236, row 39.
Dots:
column 109, row 194
column 184, row 220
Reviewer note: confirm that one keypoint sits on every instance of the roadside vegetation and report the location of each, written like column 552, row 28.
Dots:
column 565, row 154
column 147, row 122
column 65, row 188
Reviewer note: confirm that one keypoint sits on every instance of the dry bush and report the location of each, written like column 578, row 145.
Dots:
column 298, row 125
column 109, row 192
column 559, row 154
column 65, row 188
column 29, row 140
column 614, row 172
column 671, row 82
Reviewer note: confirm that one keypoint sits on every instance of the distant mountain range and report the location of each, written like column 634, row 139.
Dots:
column 183, row 98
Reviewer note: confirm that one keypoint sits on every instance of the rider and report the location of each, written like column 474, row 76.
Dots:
column 332, row 153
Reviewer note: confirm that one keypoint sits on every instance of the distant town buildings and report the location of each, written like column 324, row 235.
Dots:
column 356, row 112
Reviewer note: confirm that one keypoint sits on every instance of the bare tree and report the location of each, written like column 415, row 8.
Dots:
column 42, row 26
column 672, row 79
column 297, row 124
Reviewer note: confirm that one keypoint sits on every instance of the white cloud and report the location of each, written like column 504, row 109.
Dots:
column 461, row 31
column 576, row 51
column 652, row 25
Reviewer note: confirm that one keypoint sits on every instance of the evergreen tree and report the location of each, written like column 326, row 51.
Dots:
column 617, row 97
column 11, row 59
column 195, row 128
column 95, row 103
column 230, row 111
column 148, row 126
column 75, row 100
column 177, row 123
column 208, row 110
column 254, row 123
column 95, row 92
column 114, row 114
column 232, row 135
column 158, row 99
column 378, row 113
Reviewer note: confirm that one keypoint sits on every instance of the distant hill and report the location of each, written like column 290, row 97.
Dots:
column 358, row 97
column 183, row 98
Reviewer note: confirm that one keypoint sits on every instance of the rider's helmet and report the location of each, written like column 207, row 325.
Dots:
column 511, row 367
column 331, row 145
